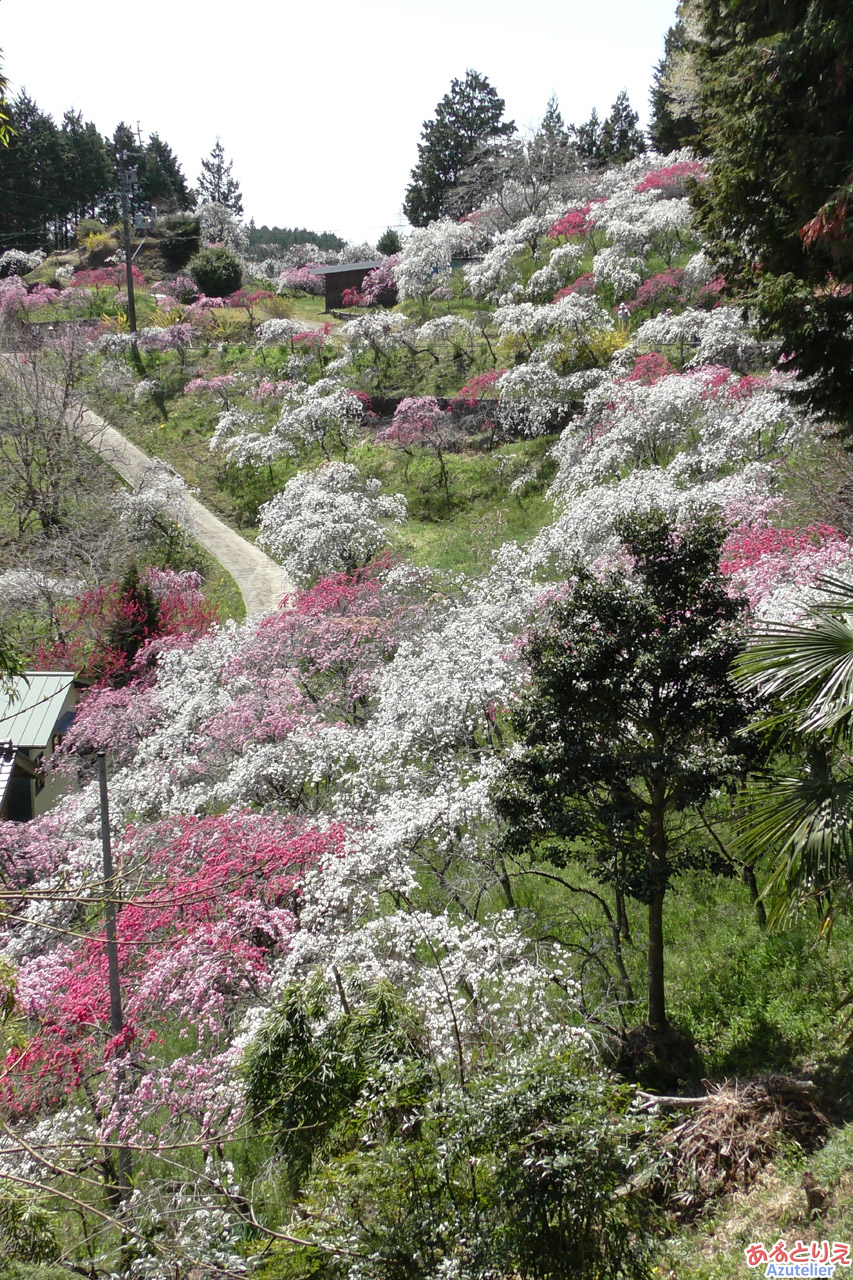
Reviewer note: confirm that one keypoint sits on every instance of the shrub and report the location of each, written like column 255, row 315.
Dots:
column 88, row 227
column 181, row 241
column 99, row 247
column 217, row 272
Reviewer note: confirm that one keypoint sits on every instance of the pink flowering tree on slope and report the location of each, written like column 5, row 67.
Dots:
column 419, row 423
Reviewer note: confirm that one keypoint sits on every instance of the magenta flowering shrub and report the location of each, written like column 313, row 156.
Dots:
column 766, row 562
column 673, row 179
column 379, row 288
column 575, row 221
column 218, row 388
column 664, row 289
column 196, row 941
column 584, row 285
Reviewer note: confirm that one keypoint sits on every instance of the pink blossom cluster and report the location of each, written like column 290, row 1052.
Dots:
column 574, row 222
column 665, row 288
column 268, row 390
column 650, row 368
column 379, row 287
column 672, row 179
column 709, row 294
column 584, row 285
column 194, row 942
column 760, row 558
column 303, row 279
column 415, row 419
column 477, row 386
column 106, row 277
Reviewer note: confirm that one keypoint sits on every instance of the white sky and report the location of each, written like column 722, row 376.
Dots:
column 320, row 106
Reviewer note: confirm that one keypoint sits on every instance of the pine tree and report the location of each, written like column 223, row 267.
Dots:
column 216, row 183
column 587, row 140
column 89, row 168
column 621, row 136
column 470, row 113
column 32, row 203
column 551, row 150
column 161, row 179
column 389, row 242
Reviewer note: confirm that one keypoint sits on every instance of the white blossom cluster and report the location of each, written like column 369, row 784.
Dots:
column 331, row 520
column 427, row 254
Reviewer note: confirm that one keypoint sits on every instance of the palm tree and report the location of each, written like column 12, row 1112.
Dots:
column 799, row 826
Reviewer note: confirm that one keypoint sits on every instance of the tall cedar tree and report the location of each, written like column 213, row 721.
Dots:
column 776, row 104
column 630, row 719
column 161, row 179
column 672, row 124
column 470, row 113
column 611, row 141
column 217, row 183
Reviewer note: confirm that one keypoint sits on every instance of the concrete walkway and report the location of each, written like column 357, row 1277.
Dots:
column 262, row 582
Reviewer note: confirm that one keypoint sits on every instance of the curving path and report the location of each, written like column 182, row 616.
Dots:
column 262, row 582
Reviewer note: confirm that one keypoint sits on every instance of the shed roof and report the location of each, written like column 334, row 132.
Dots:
column 339, row 267
column 30, row 711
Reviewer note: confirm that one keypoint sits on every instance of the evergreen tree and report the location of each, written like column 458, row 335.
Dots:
column 216, row 182
column 161, row 180
column 4, row 118
column 389, row 242
column 621, row 136
column 630, row 720
column 674, row 120
column 776, row 103
column 551, row 150
column 32, row 204
column 587, row 139
column 88, row 166
column 466, row 116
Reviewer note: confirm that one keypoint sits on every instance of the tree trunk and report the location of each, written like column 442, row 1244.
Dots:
column 657, row 998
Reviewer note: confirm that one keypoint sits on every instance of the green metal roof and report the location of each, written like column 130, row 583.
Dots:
column 29, row 713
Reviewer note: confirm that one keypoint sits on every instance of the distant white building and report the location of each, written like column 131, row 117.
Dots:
column 35, row 714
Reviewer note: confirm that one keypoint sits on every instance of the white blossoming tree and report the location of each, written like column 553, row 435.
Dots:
column 331, row 520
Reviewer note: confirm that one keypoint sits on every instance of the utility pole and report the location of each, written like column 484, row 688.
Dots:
column 127, row 177
column 125, row 1169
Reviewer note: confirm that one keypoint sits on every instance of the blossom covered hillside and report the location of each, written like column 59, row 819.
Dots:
column 366, row 1034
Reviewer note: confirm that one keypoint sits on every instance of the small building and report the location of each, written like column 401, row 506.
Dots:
column 344, row 275
column 36, row 712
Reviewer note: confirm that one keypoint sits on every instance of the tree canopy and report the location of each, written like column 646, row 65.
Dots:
column 776, row 99
column 630, row 719
column 217, row 183
column 469, row 113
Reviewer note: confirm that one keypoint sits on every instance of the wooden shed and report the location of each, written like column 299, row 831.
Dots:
column 344, row 275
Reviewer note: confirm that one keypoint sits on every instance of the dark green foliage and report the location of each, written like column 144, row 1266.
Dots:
column 316, row 1081
column 776, row 101
column 217, row 272
column 217, row 183
column 514, row 1173
column 621, row 137
column 612, row 141
column 389, row 242
column 161, row 180
column 261, row 238
column 136, row 621
column 465, row 117
column 630, row 719
column 671, row 126
column 181, row 241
